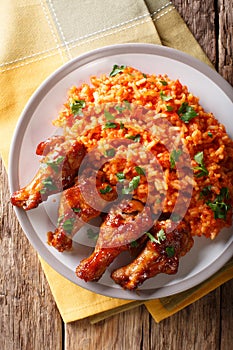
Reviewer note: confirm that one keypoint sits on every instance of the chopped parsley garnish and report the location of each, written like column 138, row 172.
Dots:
column 127, row 105
column 140, row 170
column 105, row 190
column 219, row 207
column 134, row 244
column 133, row 184
column 68, row 225
column 186, row 112
column 92, row 235
column 120, row 108
column 161, row 236
column 77, row 106
column 116, row 69
column 170, row 251
column 135, row 138
column 199, row 158
column 77, row 210
column 205, row 191
column 110, row 125
column 122, row 125
column 120, row 176
column 54, row 164
column 48, row 185
column 169, row 108
column 165, row 97
column 174, row 157
column 108, row 115
column 175, row 217
column 144, row 75
column 210, row 134
column 59, row 220
column 163, row 82
column 110, row 152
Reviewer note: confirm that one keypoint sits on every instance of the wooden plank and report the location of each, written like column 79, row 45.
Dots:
column 225, row 42
column 226, row 316
column 128, row 330
column 29, row 317
column 193, row 328
column 200, row 19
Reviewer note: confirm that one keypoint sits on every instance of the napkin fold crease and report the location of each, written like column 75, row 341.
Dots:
column 35, row 39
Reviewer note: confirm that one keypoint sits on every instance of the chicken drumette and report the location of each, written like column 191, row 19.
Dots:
column 168, row 242
column 124, row 224
column 59, row 165
column 78, row 205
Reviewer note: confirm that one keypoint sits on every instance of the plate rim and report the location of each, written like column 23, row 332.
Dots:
column 51, row 80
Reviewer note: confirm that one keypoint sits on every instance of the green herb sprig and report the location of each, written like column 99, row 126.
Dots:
column 219, row 205
column 186, row 112
column 116, row 69
column 77, row 107
column 199, row 158
column 161, row 236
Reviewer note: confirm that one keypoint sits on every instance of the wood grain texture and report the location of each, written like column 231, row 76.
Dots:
column 225, row 42
column 29, row 317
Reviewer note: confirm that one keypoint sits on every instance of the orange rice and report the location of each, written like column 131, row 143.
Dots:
column 149, row 133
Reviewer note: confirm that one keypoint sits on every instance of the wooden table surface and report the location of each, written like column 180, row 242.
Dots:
column 29, row 318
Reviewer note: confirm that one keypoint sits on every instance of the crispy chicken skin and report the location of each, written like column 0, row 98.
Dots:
column 124, row 223
column 156, row 257
column 78, row 205
column 57, row 171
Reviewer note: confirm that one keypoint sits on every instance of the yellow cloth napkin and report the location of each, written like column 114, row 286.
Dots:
column 38, row 36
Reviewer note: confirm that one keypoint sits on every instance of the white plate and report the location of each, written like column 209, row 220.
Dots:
column 215, row 94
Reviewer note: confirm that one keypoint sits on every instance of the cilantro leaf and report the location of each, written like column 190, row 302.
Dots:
column 174, row 157
column 48, row 185
column 77, row 210
column 54, row 164
column 110, row 125
column 218, row 206
column 199, row 158
column 120, row 176
column 116, row 69
column 160, row 236
column 133, row 184
column 108, row 115
column 140, row 170
column 170, row 251
column 127, row 105
column 68, row 225
column 165, row 97
column 120, row 108
column 110, row 152
column 135, row 138
column 92, row 235
column 186, row 112
column 163, row 82
column 77, row 106
column 105, row 190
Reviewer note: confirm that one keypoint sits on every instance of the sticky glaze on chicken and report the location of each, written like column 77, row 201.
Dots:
column 161, row 255
column 124, row 223
column 78, row 205
column 57, row 171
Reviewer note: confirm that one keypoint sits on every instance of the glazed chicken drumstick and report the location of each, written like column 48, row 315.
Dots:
column 58, row 168
column 125, row 223
column 78, row 205
column 161, row 255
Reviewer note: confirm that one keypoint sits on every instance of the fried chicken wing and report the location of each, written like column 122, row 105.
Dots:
column 124, row 223
column 78, row 205
column 161, row 255
column 57, row 171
